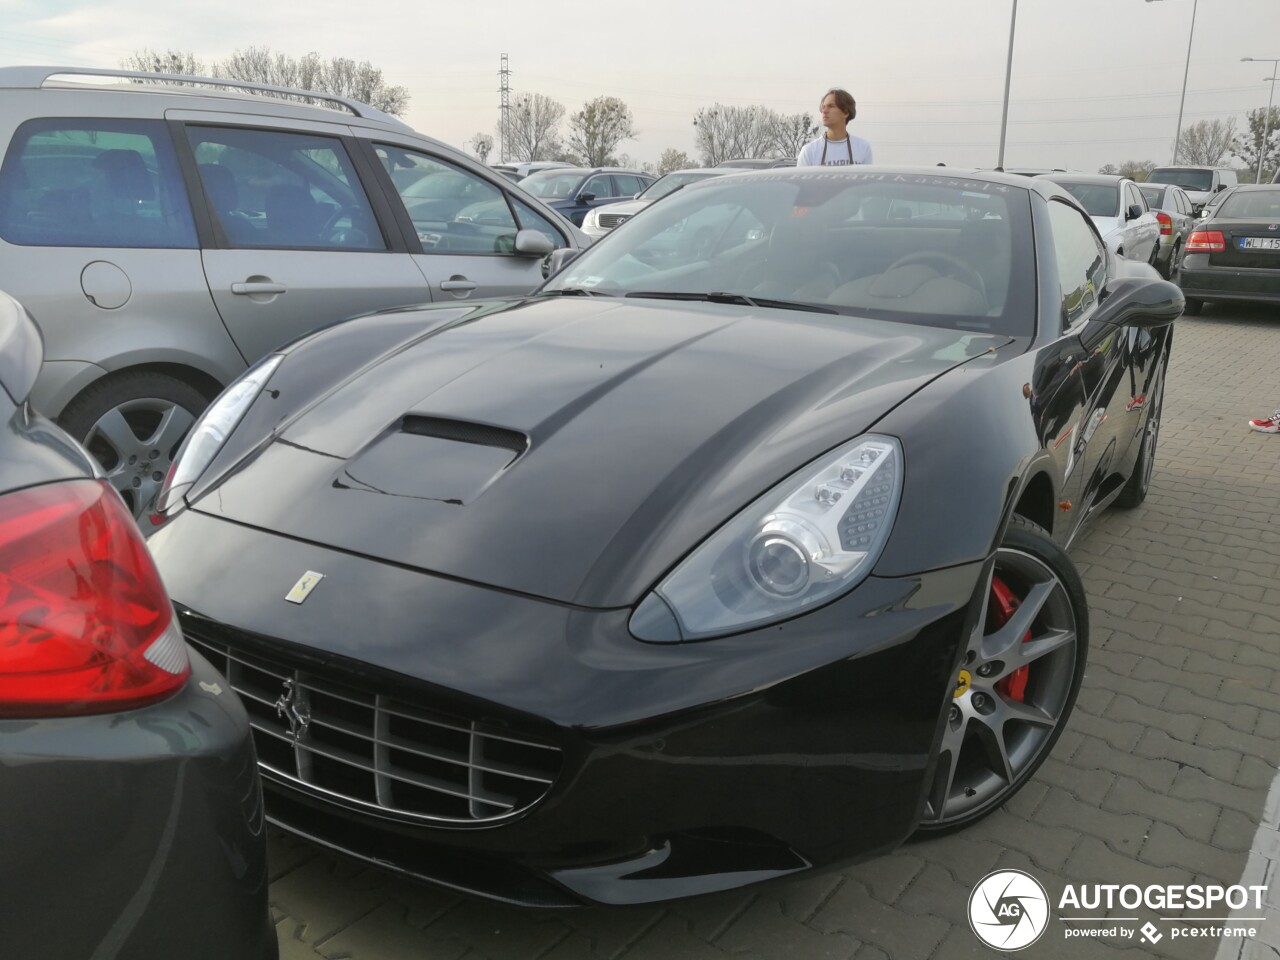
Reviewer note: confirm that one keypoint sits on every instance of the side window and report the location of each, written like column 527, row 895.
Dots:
column 530, row 219
column 627, row 186
column 1135, row 196
column 94, row 183
column 453, row 210
column 600, row 186
column 1081, row 260
column 267, row 188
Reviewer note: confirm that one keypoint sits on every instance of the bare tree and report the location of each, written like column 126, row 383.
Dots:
column 791, row 132
column 338, row 75
column 1207, row 142
column 1137, row 170
column 596, row 129
column 533, row 131
column 1109, row 169
column 673, row 160
column 482, row 144
column 731, row 133
column 171, row 61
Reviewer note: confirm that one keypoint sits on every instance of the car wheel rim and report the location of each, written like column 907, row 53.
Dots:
column 1012, row 691
column 135, row 444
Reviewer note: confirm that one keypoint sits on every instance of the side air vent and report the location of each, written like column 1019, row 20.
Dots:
column 481, row 434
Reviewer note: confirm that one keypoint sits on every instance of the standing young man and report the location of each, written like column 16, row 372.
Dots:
column 836, row 147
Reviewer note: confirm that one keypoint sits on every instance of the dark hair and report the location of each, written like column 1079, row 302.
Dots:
column 844, row 100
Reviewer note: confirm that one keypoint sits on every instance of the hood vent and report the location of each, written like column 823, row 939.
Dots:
column 462, row 431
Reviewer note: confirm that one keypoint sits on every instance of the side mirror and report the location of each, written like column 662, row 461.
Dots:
column 1140, row 302
column 1133, row 213
column 557, row 260
column 584, row 197
column 1220, row 188
column 533, row 243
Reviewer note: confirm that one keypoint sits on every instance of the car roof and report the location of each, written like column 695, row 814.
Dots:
column 1098, row 179
column 197, row 87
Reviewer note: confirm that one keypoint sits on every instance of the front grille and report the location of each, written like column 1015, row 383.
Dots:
column 611, row 220
column 381, row 753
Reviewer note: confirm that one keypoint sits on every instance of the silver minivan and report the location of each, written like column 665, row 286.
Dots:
column 166, row 236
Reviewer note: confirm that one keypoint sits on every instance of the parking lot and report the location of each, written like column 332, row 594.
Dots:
column 1161, row 778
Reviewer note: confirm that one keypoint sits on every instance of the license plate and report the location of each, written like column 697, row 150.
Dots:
column 1259, row 243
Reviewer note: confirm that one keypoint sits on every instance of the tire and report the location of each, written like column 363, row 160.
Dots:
column 1175, row 264
column 1135, row 489
column 1000, row 726
column 1193, row 307
column 133, row 423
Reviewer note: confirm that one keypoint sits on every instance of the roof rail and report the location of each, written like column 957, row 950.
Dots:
column 36, row 77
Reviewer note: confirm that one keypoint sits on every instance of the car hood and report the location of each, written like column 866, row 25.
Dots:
column 627, row 208
column 576, row 449
column 1108, row 226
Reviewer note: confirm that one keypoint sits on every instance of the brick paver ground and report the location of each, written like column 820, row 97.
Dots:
column 1162, row 776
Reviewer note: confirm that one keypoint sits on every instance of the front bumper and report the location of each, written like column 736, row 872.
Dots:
column 137, row 834
column 684, row 768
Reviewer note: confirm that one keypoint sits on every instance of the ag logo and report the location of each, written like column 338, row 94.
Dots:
column 1008, row 910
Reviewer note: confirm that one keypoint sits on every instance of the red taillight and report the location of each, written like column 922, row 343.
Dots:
column 1166, row 224
column 1206, row 241
column 85, row 623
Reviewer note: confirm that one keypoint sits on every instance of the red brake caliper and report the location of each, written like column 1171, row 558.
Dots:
column 1003, row 603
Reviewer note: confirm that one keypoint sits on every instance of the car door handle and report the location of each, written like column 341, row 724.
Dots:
column 457, row 283
column 246, row 289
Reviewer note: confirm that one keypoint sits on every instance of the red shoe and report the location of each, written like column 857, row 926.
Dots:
column 1270, row 425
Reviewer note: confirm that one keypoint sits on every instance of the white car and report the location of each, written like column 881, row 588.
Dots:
column 603, row 219
column 1120, row 212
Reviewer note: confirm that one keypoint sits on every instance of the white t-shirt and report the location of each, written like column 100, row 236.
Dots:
column 840, row 153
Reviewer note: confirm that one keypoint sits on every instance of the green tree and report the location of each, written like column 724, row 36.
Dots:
column 673, row 160
column 1249, row 147
column 597, row 129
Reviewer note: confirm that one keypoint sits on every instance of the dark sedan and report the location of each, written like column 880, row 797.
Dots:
column 133, row 824
column 576, row 191
column 683, row 573
column 1235, row 255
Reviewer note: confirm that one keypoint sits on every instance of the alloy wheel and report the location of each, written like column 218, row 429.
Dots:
column 1015, row 689
column 135, row 444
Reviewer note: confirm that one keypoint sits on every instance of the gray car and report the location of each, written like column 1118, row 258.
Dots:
column 133, row 824
column 165, row 237
column 1176, row 215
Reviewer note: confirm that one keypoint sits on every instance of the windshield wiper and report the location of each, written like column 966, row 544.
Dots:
column 572, row 292
column 740, row 299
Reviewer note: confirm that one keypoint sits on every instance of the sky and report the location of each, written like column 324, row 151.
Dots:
column 1093, row 81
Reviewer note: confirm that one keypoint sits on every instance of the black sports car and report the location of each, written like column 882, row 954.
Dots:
column 132, row 820
column 685, row 572
column 1234, row 256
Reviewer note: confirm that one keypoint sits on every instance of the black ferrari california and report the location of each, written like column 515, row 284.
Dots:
column 735, row 551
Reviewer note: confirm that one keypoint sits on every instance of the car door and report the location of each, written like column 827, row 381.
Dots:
column 297, row 240
column 1142, row 234
column 97, row 240
column 463, row 245
column 1081, row 424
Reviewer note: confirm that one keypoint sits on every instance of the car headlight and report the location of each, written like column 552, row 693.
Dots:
column 591, row 220
column 212, row 430
column 811, row 538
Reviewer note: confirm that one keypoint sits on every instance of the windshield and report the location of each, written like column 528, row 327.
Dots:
column 1186, row 178
column 552, row 186
column 1251, row 205
column 1098, row 199
column 925, row 249
column 672, row 182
